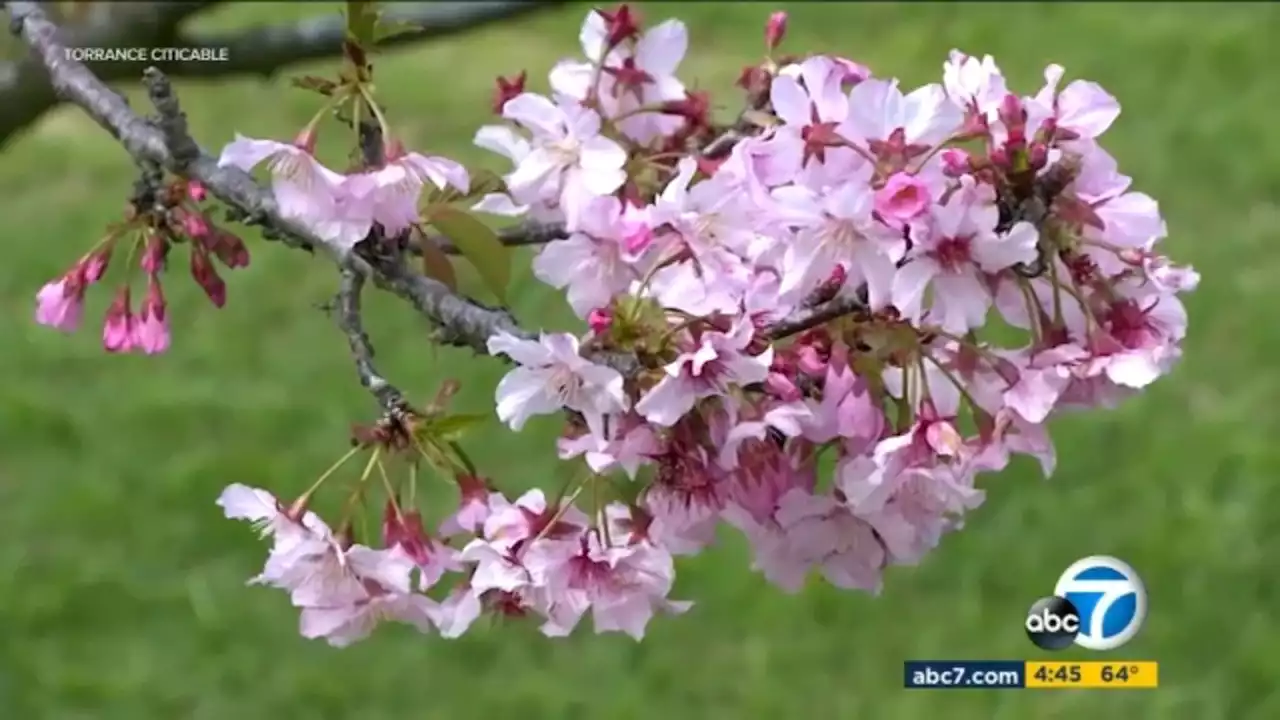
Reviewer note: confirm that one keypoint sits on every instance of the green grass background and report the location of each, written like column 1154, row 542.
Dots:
column 121, row 587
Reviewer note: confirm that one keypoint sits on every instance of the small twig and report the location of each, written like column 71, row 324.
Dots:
column 352, row 324
column 802, row 320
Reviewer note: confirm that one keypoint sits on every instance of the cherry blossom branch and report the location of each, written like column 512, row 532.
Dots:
column 460, row 321
column 812, row 317
column 26, row 93
column 347, row 309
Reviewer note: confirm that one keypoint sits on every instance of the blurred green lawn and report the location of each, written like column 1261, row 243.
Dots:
column 121, row 587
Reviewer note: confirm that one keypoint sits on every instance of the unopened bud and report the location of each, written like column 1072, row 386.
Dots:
column 506, row 90
column 599, row 320
column 154, row 254
column 196, row 191
column 955, row 162
column 194, row 224
column 117, row 330
column 810, row 363
column 229, row 248
column 775, row 29
column 94, row 265
column 206, row 276
column 781, row 387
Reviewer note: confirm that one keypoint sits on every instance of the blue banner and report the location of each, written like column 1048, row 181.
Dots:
column 964, row 674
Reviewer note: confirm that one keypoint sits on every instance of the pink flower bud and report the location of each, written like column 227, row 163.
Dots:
column 508, row 89
column 781, row 387
column 60, row 303
column 195, row 225
column 903, row 198
column 118, row 328
column 94, row 265
column 955, row 162
column 1011, row 112
column 196, row 191
column 854, row 72
column 775, row 29
column 206, row 275
column 151, row 333
column 155, row 254
column 599, row 320
column 229, row 248
column 810, row 363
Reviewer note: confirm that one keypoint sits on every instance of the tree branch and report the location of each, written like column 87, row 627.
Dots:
column 165, row 143
column 807, row 318
column 350, row 322
column 460, row 321
column 25, row 89
column 26, row 93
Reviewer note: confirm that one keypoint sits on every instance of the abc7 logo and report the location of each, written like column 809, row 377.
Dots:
column 1053, row 623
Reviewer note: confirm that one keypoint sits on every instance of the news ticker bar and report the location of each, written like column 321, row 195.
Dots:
column 1020, row 674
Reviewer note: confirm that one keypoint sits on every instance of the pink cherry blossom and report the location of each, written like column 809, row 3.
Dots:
column 622, row 586
column 631, row 79
column 1082, row 109
column 976, row 85
column 399, row 186
column 553, row 375
column 710, row 367
column 837, row 229
column 594, row 264
column 376, row 589
column 788, row 328
column 568, row 157
column 338, row 208
column 878, row 110
column 951, row 258
column 903, row 198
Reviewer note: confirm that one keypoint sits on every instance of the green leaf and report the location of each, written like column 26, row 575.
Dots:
column 450, row 428
column 435, row 264
column 478, row 243
column 484, row 182
column 626, row 490
column 362, row 22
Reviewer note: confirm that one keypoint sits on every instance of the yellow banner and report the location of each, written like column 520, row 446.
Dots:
column 1093, row 674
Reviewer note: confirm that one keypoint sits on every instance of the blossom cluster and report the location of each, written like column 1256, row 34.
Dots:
column 156, row 221
column 809, row 297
